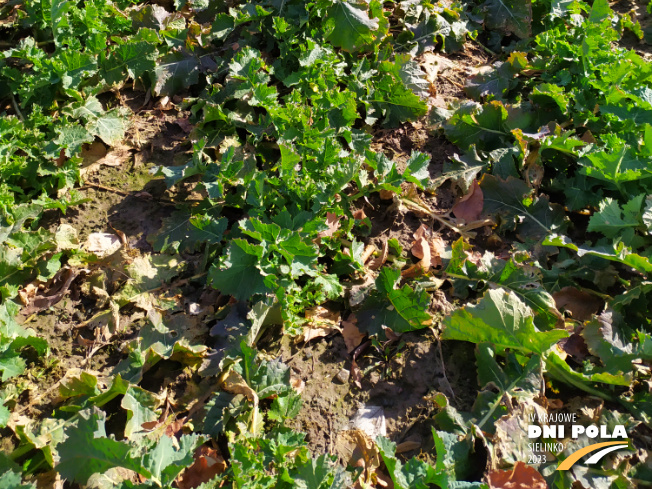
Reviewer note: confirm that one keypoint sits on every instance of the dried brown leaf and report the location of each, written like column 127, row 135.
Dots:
column 522, row 476
column 235, row 384
column 368, row 251
column 437, row 249
column 352, row 335
column 333, row 223
column 580, row 304
column 407, row 446
column 102, row 244
column 208, row 463
column 380, row 260
column 470, row 206
column 386, row 194
column 60, row 285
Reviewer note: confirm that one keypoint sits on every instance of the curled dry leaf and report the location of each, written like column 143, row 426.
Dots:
column 321, row 322
column 522, row 476
column 115, row 157
column 359, row 214
column 580, row 304
column 437, row 249
column 297, row 384
column 40, row 302
column 184, row 124
column 93, row 152
column 365, row 454
column 575, row 346
column 386, row 194
column 380, row 260
column 352, row 335
column 208, row 463
column 470, row 206
column 235, row 384
column 368, row 251
column 407, row 446
column 420, row 248
column 27, row 293
column 333, row 223
column 102, row 244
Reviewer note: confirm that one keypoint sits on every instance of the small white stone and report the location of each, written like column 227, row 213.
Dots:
column 343, row 376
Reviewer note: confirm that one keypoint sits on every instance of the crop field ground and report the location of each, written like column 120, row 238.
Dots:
column 325, row 244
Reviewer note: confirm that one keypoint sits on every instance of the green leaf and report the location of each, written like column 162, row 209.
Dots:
column 415, row 474
column 513, row 203
column 12, row 480
column 481, row 125
column 72, row 138
column 174, row 72
column 620, row 253
column 612, row 220
column 401, row 310
column 285, row 407
column 599, row 11
column 558, row 368
column 238, row 273
column 132, row 59
column 502, row 319
column 350, row 26
column 110, row 127
column 416, row 170
column 87, row 450
column 615, row 166
column 509, row 16
column 514, row 274
column 396, row 102
column 503, row 388
column 165, row 462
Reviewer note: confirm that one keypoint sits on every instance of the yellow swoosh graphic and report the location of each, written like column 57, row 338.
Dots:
column 570, row 461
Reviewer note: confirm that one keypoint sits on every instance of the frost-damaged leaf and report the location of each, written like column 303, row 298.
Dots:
column 87, row 450
column 110, row 127
column 350, row 25
column 166, row 461
column 481, row 125
column 141, row 408
column 503, row 319
column 522, row 476
column 509, row 16
column 502, row 388
column 461, row 170
column 401, row 310
column 174, row 72
column 12, row 480
column 499, row 80
column 238, row 273
column 513, row 203
column 513, row 274
column 607, row 339
column 415, row 474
